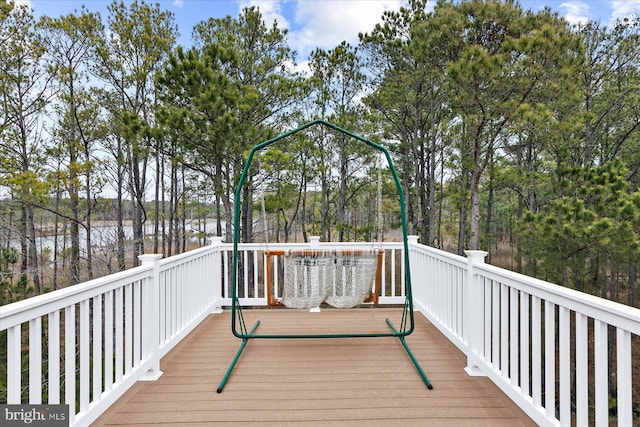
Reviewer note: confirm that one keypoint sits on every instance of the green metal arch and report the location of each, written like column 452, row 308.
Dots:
column 407, row 322
column 407, row 325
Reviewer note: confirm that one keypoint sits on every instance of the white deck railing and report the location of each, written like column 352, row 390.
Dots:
column 87, row 344
column 532, row 338
column 510, row 326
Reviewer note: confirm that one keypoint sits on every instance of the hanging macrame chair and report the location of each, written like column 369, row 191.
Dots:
column 342, row 279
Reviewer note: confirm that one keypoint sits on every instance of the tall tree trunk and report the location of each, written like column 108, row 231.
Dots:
column 73, row 206
column 431, row 188
column 164, row 211
column 218, row 215
column 56, row 225
column 24, row 243
column 137, row 182
column 172, row 208
column 88, row 230
column 303, row 216
column 406, row 184
column 74, row 236
column 631, row 283
column 33, row 252
column 441, row 201
column 156, row 202
column 462, row 228
column 120, row 207
column 324, row 209
column 342, row 189
column 183, row 231
column 487, row 227
column 247, row 212
column 474, row 233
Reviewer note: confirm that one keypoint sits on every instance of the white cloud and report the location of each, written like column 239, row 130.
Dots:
column 23, row 3
column 178, row 3
column 299, row 67
column 577, row 12
column 270, row 11
column 624, row 9
column 326, row 23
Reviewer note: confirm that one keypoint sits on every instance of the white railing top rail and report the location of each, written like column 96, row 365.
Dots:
column 22, row 311
column 337, row 245
column 610, row 312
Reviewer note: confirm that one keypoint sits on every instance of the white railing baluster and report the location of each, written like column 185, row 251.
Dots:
column 119, row 335
column 97, row 356
column 245, row 276
column 53, row 361
column 514, row 340
column 601, row 346
column 403, row 290
column 582, row 370
column 226, row 277
column 456, row 304
column 448, row 306
column 495, row 327
column 35, row 361
column 488, row 316
column 136, row 332
column 256, row 280
column 536, row 355
column 549, row 359
column 624, row 375
column 174, row 294
column 108, row 341
column 504, row 330
column 564, row 367
column 265, row 279
column 128, row 328
column 393, row 273
column 525, row 336
column 14, row 365
column 70, row 360
column 84, row 372
column 178, row 278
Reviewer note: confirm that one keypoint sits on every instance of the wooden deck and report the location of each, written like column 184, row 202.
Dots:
column 298, row 382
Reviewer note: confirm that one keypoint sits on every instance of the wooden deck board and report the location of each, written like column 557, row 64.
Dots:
column 345, row 381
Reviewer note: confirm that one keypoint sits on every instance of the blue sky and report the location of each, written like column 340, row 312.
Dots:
column 325, row 23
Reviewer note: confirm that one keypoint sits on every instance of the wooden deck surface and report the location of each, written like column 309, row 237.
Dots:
column 310, row 382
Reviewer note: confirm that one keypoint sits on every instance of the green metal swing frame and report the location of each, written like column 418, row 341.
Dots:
column 238, row 325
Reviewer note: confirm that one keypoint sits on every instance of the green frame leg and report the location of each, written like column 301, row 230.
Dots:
column 237, row 356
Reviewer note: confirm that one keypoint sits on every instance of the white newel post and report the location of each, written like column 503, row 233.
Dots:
column 473, row 313
column 412, row 240
column 151, row 318
column 216, row 288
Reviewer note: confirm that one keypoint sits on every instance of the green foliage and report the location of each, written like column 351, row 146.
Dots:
column 10, row 291
column 595, row 222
